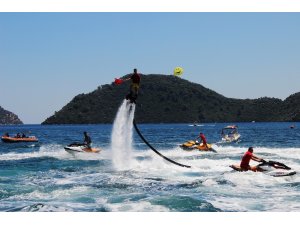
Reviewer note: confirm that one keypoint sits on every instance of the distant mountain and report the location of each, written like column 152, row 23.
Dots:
column 169, row 99
column 7, row 117
column 291, row 108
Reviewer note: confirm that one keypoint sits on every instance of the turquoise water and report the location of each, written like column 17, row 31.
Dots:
column 44, row 177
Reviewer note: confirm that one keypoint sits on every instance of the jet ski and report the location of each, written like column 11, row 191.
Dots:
column 194, row 145
column 78, row 147
column 271, row 168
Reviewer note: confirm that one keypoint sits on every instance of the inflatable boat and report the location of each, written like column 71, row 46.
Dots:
column 19, row 139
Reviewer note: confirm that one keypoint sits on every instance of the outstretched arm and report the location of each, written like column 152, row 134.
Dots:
column 257, row 159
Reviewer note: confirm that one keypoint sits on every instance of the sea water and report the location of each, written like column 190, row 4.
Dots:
column 44, row 177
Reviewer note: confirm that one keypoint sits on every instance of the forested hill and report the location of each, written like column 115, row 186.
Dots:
column 169, row 99
column 7, row 117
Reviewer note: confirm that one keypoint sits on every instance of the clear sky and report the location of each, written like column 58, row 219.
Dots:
column 46, row 59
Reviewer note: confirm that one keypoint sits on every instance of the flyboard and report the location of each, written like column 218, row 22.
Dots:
column 131, row 98
column 271, row 168
column 75, row 148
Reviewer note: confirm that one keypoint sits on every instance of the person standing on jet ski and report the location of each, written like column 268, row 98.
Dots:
column 87, row 140
column 203, row 139
column 134, row 87
column 246, row 160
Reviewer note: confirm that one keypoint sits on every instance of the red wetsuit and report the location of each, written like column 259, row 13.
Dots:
column 246, row 160
column 203, row 139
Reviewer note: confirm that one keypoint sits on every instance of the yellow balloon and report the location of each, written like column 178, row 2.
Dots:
column 178, row 71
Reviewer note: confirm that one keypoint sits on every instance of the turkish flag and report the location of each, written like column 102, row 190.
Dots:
column 118, row 81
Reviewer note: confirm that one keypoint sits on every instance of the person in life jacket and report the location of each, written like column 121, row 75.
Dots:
column 87, row 140
column 203, row 139
column 246, row 160
column 134, row 87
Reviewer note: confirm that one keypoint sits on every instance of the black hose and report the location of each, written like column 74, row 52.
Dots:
column 157, row 152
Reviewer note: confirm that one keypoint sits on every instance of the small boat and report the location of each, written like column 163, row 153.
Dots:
column 271, row 168
column 192, row 145
column 195, row 124
column 77, row 147
column 19, row 139
column 230, row 134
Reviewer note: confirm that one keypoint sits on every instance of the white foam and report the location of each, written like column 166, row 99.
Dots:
column 121, row 138
column 52, row 150
column 59, row 194
column 141, row 206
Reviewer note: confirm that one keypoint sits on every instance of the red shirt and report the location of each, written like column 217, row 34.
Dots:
column 203, row 139
column 136, row 78
column 246, row 159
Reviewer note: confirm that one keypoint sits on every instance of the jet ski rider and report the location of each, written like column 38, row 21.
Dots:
column 246, row 160
column 203, row 139
column 87, row 140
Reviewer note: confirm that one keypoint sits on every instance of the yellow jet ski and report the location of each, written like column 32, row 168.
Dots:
column 195, row 145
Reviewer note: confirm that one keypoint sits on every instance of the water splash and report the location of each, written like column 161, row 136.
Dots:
column 122, row 135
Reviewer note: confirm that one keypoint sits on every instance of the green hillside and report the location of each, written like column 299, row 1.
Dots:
column 7, row 117
column 169, row 99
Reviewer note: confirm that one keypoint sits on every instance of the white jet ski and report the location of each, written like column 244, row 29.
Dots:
column 78, row 147
column 271, row 168
column 276, row 169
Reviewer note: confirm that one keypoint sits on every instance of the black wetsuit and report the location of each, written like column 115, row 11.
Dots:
column 87, row 141
column 134, row 87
